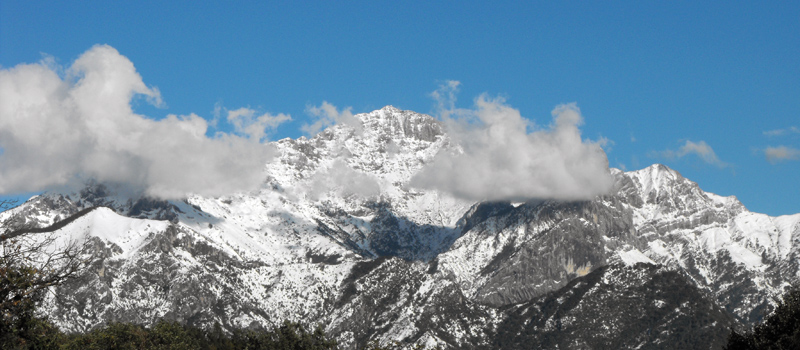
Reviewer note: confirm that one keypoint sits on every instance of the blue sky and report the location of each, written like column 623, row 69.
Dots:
column 666, row 83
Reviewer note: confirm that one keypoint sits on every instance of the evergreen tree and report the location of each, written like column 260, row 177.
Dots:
column 781, row 330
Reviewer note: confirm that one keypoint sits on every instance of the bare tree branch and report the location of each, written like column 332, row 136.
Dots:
column 6, row 204
column 32, row 261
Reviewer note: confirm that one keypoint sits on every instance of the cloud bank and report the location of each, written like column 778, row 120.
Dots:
column 57, row 132
column 700, row 149
column 781, row 153
column 503, row 160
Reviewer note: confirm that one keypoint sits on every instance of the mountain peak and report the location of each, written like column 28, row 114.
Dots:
column 407, row 124
column 658, row 168
column 659, row 180
column 656, row 176
column 390, row 108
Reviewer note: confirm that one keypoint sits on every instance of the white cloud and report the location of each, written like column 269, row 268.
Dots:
column 58, row 132
column 327, row 115
column 343, row 181
column 445, row 97
column 605, row 143
column 501, row 160
column 248, row 123
column 781, row 132
column 700, row 149
column 781, row 153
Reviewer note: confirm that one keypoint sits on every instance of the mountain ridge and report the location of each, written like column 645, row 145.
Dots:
column 336, row 234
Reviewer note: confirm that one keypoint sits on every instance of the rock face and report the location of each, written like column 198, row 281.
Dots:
column 614, row 307
column 336, row 237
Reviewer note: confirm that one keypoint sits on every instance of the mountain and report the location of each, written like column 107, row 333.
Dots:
column 336, row 237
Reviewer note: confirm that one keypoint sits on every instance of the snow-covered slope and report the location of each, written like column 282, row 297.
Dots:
column 742, row 258
column 336, row 236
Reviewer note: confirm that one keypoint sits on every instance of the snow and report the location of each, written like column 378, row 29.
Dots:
column 127, row 233
column 654, row 178
column 788, row 227
column 744, row 256
column 634, row 256
column 659, row 247
column 715, row 238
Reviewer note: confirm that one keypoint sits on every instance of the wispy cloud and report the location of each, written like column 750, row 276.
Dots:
column 700, row 149
column 781, row 132
column 502, row 160
column 61, row 131
column 327, row 115
column 781, row 154
column 445, row 97
column 606, row 143
column 247, row 122
column 343, row 181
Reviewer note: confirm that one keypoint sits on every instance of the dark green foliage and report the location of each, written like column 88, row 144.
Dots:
column 30, row 332
column 289, row 336
column 175, row 336
column 113, row 336
column 781, row 330
column 166, row 335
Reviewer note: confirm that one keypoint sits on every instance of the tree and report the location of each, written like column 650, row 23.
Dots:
column 31, row 261
column 781, row 330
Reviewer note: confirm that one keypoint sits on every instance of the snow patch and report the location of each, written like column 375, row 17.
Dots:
column 634, row 256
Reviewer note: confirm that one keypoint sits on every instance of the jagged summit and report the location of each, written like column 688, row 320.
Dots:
column 657, row 175
column 394, row 122
column 390, row 108
column 661, row 185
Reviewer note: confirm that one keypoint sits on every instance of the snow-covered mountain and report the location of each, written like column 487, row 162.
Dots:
column 336, row 237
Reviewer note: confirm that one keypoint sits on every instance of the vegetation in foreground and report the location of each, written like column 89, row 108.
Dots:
column 39, row 334
column 781, row 330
